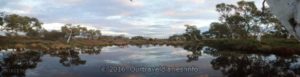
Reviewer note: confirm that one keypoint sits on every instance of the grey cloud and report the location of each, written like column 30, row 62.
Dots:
column 95, row 13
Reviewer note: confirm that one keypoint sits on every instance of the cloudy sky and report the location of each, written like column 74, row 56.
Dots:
column 153, row 18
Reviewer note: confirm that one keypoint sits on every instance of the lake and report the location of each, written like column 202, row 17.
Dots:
column 145, row 61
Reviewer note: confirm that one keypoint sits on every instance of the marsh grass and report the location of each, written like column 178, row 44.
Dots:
column 266, row 46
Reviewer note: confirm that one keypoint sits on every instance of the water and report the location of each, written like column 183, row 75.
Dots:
column 139, row 61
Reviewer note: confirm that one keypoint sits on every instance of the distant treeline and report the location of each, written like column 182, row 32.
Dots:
column 14, row 25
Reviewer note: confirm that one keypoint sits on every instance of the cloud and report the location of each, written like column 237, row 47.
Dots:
column 192, row 1
column 134, row 3
column 69, row 1
column 113, row 17
column 153, row 18
column 57, row 26
column 53, row 26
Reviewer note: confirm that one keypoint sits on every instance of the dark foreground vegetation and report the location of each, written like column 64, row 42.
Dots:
column 266, row 46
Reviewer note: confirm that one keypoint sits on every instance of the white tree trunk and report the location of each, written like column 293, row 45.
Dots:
column 285, row 10
column 258, row 37
column 69, row 38
column 289, row 36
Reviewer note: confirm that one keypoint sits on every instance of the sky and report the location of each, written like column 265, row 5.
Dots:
column 150, row 18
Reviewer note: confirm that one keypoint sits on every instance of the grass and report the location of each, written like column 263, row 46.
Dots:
column 266, row 46
column 36, row 43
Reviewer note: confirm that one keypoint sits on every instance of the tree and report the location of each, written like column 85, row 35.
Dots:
column 91, row 34
column 1, row 20
column 53, row 35
column 138, row 38
column 71, row 31
column 245, row 20
column 177, row 38
column 219, row 30
column 237, row 25
column 120, row 37
column 97, row 34
column 15, row 23
column 207, row 34
column 35, row 33
column 226, row 10
column 192, row 33
column 239, row 19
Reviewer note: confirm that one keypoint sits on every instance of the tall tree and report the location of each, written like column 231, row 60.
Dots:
column 177, row 38
column 71, row 31
column 245, row 19
column 237, row 25
column 226, row 10
column 53, row 35
column 219, row 30
column 192, row 33
column 1, row 20
column 92, row 34
column 15, row 23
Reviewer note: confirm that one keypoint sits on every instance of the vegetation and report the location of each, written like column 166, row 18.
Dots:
column 71, row 31
column 244, row 20
column 191, row 34
column 15, row 23
column 241, row 26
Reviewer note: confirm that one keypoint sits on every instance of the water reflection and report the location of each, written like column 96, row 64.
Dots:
column 86, row 60
column 241, row 65
column 234, row 64
column 196, row 52
column 69, row 58
column 18, row 63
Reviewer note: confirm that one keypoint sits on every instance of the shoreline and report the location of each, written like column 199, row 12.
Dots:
column 267, row 46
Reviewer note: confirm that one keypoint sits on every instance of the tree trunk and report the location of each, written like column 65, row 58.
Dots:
column 258, row 37
column 195, row 37
column 289, row 36
column 69, row 38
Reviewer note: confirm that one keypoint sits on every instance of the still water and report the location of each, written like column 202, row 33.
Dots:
column 145, row 61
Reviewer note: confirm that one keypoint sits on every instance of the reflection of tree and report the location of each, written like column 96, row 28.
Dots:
column 233, row 65
column 69, row 58
column 91, row 50
column 195, row 49
column 16, row 64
